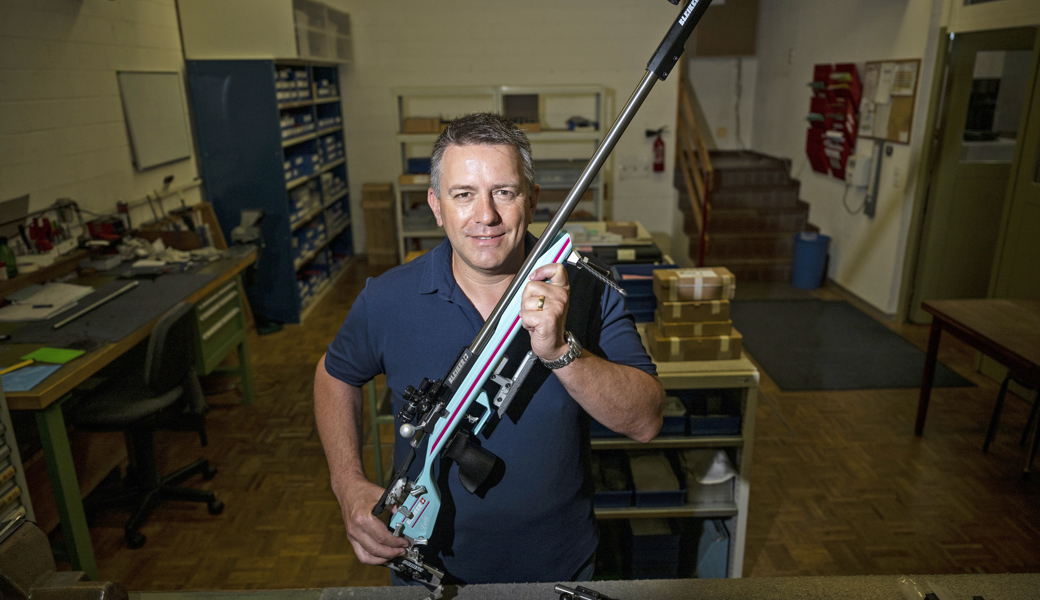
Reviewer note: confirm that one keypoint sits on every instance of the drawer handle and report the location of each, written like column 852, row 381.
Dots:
column 222, row 322
column 213, row 309
column 215, row 295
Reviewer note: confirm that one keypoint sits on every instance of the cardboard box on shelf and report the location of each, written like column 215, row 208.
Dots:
column 413, row 179
column 691, row 312
column 672, row 349
column 421, row 125
column 377, row 200
column 626, row 229
column 709, row 283
column 692, row 329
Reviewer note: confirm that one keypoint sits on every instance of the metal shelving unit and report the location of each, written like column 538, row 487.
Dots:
column 416, row 228
column 738, row 375
column 242, row 109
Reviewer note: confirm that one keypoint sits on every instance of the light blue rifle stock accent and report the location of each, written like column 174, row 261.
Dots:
column 421, row 515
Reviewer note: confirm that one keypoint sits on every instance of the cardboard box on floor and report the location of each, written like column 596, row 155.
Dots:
column 685, row 285
column 671, row 349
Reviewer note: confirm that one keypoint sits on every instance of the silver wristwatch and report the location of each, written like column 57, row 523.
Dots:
column 568, row 357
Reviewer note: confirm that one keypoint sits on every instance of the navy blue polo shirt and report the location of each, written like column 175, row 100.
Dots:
column 534, row 521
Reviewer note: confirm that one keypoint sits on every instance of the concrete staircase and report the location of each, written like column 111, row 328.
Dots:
column 753, row 216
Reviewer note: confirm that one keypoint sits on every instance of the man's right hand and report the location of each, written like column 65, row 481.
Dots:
column 373, row 543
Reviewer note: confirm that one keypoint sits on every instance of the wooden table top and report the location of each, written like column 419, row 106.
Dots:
column 1011, row 326
column 80, row 369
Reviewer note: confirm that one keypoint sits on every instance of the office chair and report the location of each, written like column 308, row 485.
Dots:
column 163, row 394
column 1032, row 426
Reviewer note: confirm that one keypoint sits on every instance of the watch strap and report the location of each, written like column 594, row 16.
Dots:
column 573, row 351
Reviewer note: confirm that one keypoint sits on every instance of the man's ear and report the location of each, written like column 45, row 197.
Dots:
column 533, row 201
column 435, row 204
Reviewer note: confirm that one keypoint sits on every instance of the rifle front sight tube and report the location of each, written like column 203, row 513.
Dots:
column 598, row 158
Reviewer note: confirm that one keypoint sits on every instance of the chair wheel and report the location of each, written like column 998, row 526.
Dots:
column 209, row 473
column 135, row 540
column 215, row 507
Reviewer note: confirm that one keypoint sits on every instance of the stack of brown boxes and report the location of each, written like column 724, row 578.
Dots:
column 692, row 317
column 377, row 199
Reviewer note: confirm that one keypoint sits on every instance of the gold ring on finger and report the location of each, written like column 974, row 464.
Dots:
column 541, row 302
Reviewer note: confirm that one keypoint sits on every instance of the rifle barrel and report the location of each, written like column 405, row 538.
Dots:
column 595, row 163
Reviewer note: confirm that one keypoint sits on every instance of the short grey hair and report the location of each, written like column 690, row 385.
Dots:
column 487, row 129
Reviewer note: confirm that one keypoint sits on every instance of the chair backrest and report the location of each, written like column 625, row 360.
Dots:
column 171, row 349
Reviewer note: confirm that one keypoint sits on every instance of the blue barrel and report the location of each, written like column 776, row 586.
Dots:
column 810, row 260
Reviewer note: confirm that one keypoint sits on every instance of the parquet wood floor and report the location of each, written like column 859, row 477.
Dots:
column 839, row 485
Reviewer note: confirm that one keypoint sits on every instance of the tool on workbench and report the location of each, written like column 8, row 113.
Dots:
column 579, row 593
column 107, row 298
column 15, row 367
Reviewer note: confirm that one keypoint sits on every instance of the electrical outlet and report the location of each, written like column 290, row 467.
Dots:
column 636, row 168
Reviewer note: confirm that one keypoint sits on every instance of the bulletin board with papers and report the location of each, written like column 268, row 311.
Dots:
column 889, row 94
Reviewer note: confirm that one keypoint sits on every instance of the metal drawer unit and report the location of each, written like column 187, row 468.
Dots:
column 220, row 323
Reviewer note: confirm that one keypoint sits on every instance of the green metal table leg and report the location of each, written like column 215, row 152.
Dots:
column 245, row 372
column 62, row 473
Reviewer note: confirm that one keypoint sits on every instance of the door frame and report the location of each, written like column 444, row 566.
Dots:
column 1015, row 178
column 929, row 161
column 931, row 154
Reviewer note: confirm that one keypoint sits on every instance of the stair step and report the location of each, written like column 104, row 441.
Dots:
column 778, row 246
column 756, row 269
column 747, row 169
column 788, row 220
column 779, row 196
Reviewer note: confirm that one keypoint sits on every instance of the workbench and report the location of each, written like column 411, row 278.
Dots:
column 876, row 587
column 221, row 328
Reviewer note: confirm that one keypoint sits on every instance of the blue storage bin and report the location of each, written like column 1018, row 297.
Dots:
column 652, row 555
column 641, row 304
column 713, row 425
column 660, row 499
column 713, row 551
column 810, row 260
column 419, row 166
column 674, row 425
column 641, row 301
column 656, row 499
column 612, row 498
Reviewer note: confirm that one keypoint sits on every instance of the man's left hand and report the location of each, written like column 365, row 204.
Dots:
column 544, row 310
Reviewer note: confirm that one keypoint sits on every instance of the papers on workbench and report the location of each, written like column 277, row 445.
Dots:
column 26, row 378
column 40, row 302
column 58, row 356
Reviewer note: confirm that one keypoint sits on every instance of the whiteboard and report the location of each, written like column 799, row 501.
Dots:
column 153, row 105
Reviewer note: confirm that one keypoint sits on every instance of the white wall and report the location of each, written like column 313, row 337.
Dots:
column 866, row 254
column 400, row 43
column 62, row 132
column 721, row 85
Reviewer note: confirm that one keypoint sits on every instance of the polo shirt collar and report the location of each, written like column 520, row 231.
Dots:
column 438, row 277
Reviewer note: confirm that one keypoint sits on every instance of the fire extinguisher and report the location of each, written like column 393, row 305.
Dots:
column 658, row 148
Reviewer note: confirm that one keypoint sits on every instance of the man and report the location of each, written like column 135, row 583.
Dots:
column 534, row 521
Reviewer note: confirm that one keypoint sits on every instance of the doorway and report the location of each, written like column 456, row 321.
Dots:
column 983, row 111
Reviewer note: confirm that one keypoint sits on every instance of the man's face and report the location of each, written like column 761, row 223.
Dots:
column 484, row 207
